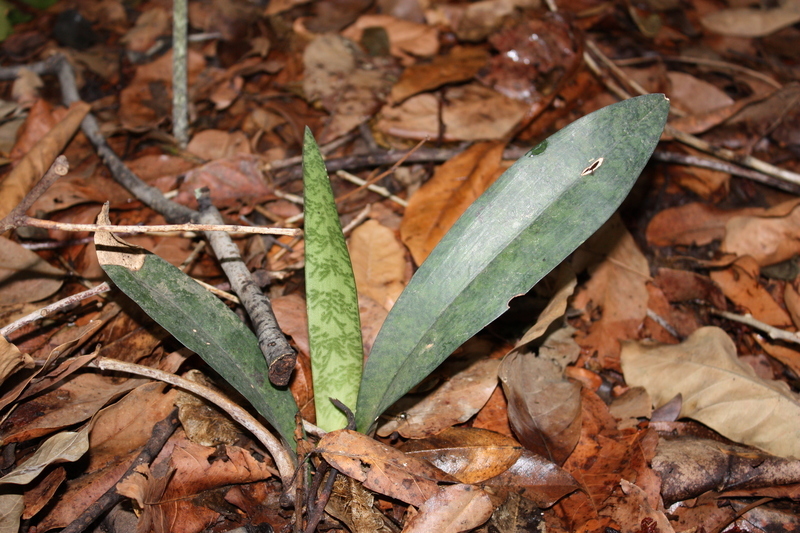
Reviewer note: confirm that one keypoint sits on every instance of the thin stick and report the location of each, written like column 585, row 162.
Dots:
column 706, row 62
column 158, row 228
column 53, row 308
column 372, row 187
column 280, row 455
column 59, row 168
column 162, row 431
column 771, row 331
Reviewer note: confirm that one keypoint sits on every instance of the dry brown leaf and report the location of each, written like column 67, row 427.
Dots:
column 468, row 454
column 38, row 150
column 691, row 224
column 556, row 307
column 745, row 22
column 379, row 262
column 694, row 95
column 11, row 359
column 537, row 479
column 494, row 415
column 630, row 509
column 768, row 240
column 435, row 207
column 455, row 402
column 740, row 284
column 691, row 466
column 618, row 287
column 405, row 38
column 217, row 144
column 119, row 433
column 460, row 64
column 150, row 25
column 147, row 489
column 233, row 182
column 454, row 509
column 382, row 468
column 290, row 312
column 682, row 286
column 469, row 112
column 718, row 390
column 39, row 496
column 372, row 315
column 544, row 408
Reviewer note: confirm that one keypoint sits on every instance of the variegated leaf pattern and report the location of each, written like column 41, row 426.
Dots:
column 334, row 327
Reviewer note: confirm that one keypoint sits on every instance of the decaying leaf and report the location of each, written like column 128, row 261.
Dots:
column 351, row 503
column 382, row 468
column 11, row 359
column 455, row 402
column 544, row 408
column 67, row 446
column 718, row 390
column 745, row 22
column 24, row 276
column 203, row 423
column 468, row 454
column 379, row 262
column 454, row 509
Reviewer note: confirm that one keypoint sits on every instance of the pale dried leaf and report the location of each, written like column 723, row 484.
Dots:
column 718, row 390
column 744, row 22
column 379, row 262
column 11, row 359
column 67, row 446
column 11, row 507
column 768, row 240
column 454, row 509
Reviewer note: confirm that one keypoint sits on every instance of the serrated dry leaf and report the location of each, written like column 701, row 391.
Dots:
column 382, row 468
column 718, row 390
column 454, row 509
column 468, row 454
column 455, row 402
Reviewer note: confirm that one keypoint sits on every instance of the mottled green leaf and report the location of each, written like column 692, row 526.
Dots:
column 334, row 327
column 533, row 216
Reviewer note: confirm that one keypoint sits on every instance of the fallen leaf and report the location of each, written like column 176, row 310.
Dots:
column 691, row 466
column 234, row 181
column 630, row 509
column 354, row 505
column 435, row 207
column 741, row 284
column 67, row 446
column 150, row 25
column 468, row 454
column 695, row 95
column 544, row 408
column 768, row 240
column 217, row 144
column 745, row 22
column 537, row 479
column 454, row 402
column 382, row 468
column 379, row 262
column 691, row 224
column 460, row 64
column 718, row 390
column 469, row 112
column 454, row 509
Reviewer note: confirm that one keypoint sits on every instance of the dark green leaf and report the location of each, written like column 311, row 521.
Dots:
column 201, row 322
column 534, row 216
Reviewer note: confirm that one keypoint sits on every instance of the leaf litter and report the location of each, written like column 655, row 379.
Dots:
column 692, row 241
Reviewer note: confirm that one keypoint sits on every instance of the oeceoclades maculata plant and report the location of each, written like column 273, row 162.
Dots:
column 539, row 211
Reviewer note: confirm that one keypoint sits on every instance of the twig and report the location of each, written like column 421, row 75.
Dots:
column 159, row 228
column 724, row 166
column 44, row 312
column 279, row 454
column 162, row 431
column 279, row 354
column 180, row 99
column 703, row 61
column 372, row 187
column 59, row 168
column 696, row 142
column 771, row 331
